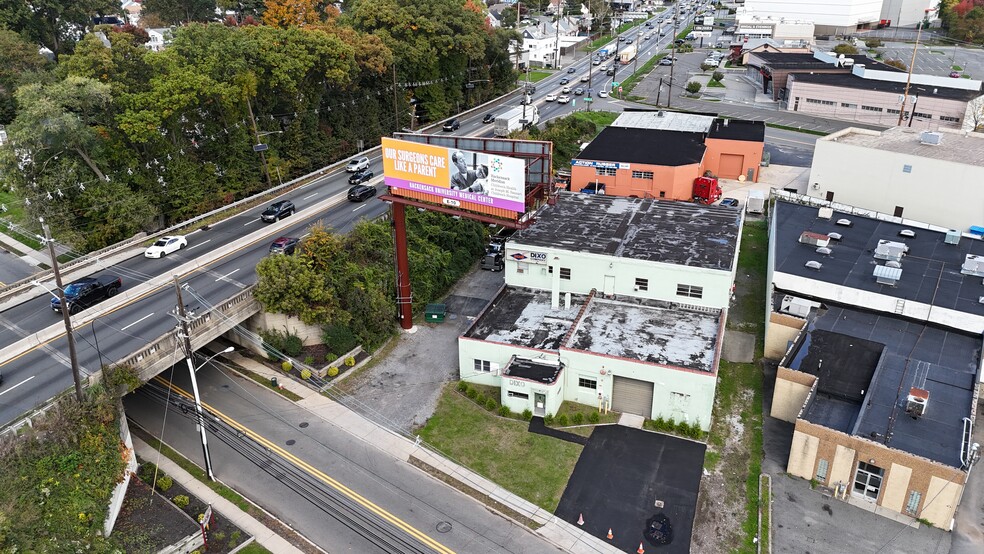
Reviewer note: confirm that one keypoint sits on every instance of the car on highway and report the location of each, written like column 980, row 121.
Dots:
column 278, row 211
column 451, row 125
column 666, row 61
column 550, row 98
column 357, row 164
column 571, row 70
column 621, row 39
column 563, row 99
column 578, row 91
column 596, row 61
column 565, row 90
column 610, row 71
column 284, row 245
column 628, row 41
column 585, row 78
column 564, row 81
column 602, row 94
column 361, row 177
column 87, row 291
column 729, row 202
column 164, row 246
column 358, row 193
column 489, row 118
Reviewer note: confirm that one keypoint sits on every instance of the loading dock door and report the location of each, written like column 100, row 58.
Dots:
column 632, row 396
column 731, row 166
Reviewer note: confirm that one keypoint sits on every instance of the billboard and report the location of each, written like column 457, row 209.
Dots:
column 455, row 174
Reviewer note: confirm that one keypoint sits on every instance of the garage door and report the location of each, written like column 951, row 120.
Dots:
column 631, row 396
column 731, row 166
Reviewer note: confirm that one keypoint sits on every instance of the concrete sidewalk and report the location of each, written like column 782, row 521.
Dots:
column 263, row 534
column 560, row 533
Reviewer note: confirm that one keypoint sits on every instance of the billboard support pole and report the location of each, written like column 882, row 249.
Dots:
column 404, row 296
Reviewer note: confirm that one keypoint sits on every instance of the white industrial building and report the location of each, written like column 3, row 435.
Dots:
column 784, row 31
column 906, row 13
column 610, row 301
column 829, row 16
column 903, row 173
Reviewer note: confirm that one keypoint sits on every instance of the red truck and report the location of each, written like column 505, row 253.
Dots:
column 706, row 190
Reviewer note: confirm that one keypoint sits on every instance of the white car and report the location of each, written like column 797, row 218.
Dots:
column 565, row 90
column 165, row 245
column 357, row 164
column 563, row 99
column 550, row 97
column 602, row 94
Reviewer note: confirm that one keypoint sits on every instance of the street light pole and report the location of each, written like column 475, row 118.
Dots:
column 256, row 133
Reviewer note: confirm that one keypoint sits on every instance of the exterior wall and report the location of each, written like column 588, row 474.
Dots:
column 780, row 330
column 553, row 394
column 592, row 271
column 831, row 13
column 848, row 103
column 751, row 151
column 792, row 389
column 902, row 472
column 264, row 321
column 498, row 354
column 877, row 180
column 669, row 182
column 903, row 13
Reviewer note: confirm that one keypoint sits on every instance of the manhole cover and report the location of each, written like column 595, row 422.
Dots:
column 290, row 442
column 225, row 386
column 303, row 424
column 443, row 527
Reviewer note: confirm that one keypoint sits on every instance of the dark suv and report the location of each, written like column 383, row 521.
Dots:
column 452, row 125
column 284, row 245
column 277, row 211
column 359, row 193
column 361, row 177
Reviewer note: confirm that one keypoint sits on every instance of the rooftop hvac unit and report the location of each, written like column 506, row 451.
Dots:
column 890, row 250
column 908, row 233
column 916, row 402
column 834, row 236
column 815, row 239
column 952, row 237
column 886, row 275
column 973, row 265
column 824, row 251
column 814, row 265
column 825, row 213
column 844, row 222
column 796, row 306
column 893, row 263
column 930, row 138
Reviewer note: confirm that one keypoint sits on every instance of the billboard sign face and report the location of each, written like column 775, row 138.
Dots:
column 455, row 175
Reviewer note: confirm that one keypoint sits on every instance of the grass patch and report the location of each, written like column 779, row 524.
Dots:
column 533, row 466
column 253, row 548
column 956, row 68
column 714, row 84
column 640, row 74
column 765, row 500
column 748, row 313
column 686, row 31
column 797, row 129
column 265, row 381
column 26, row 240
column 601, row 119
column 711, row 459
column 539, row 75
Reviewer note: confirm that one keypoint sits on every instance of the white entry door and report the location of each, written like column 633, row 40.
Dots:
column 609, row 285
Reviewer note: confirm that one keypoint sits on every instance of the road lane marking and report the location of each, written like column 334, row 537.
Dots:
column 309, row 196
column 363, row 205
column 223, row 278
column 250, row 222
column 17, row 385
column 316, row 473
column 137, row 321
column 199, row 244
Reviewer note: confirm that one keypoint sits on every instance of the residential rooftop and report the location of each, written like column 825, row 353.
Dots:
column 680, row 233
column 851, row 81
column 866, row 364
column 956, row 146
column 648, row 146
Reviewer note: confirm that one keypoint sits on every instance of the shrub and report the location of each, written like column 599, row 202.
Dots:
column 332, row 371
column 462, row 386
column 578, row 418
column 305, row 373
column 146, row 472
column 338, row 338
column 693, row 87
column 695, row 430
column 562, row 420
column 234, row 539
column 293, row 345
column 218, row 535
column 845, row 48
column 548, row 419
column 330, row 357
column 683, row 428
column 164, row 482
column 286, row 365
column 471, row 393
column 181, row 501
column 309, row 360
column 717, row 76
column 659, row 423
column 480, row 399
column 706, row 67
column 490, row 404
column 527, row 415
column 899, row 64
column 873, row 42
column 593, row 417
column 350, row 361
column 282, row 341
column 504, row 411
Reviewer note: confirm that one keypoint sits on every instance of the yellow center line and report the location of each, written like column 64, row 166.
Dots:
column 315, row 472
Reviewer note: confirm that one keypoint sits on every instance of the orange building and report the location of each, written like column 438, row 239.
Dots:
column 659, row 154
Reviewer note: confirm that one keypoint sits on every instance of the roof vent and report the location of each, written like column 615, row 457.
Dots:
column 844, row 222
column 952, row 237
column 814, row 265
column 916, row 402
column 907, row 233
column 890, row 250
column 834, row 236
column 816, row 239
column 825, row 213
column 980, row 299
column 973, row 265
column 892, row 263
column 887, row 275
column 930, row 138
column 824, row 250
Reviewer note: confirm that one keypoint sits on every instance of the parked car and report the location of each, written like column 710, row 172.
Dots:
column 452, row 125
column 361, row 177
column 550, row 97
column 678, row 41
column 578, row 91
column 563, row 99
column 564, row 81
column 87, row 292
column 284, row 245
column 489, row 118
column 729, row 202
column 358, row 193
column 955, row 74
column 357, row 164
column 594, row 188
column 164, row 246
column 278, row 211
column 666, row 61
column 571, row 70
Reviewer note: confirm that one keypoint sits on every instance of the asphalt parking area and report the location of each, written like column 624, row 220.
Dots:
column 621, row 474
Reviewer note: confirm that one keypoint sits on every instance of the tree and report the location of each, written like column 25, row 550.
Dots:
column 693, row 87
column 894, row 62
column 297, row 13
column 56, row 24
column 845, row 48
column 20, row 64
column 174, row 12
column 288, row 285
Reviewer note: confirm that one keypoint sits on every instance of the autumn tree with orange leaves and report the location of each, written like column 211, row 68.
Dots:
column 297, row 13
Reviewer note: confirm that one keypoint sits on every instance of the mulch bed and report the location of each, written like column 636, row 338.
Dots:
column 318, row 352
column 148, row 522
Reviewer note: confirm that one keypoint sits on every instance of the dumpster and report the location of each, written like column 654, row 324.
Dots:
column 434, row 313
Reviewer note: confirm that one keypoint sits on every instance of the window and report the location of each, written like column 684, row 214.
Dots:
column 822, row 471
column 585, row 383
column 514, row 394
column 922, row 115
column 642, row 175
column 821, row 102
column 893, row 112
column 912, row 505
column 906, row 168
column 641, row 284
column 565, row 273
column 483, row 366
column 872, row 108
column 610, row 171
column 522, row 268
column 690, row 291
column 662, row 194
column 848, row 105
column 950, row 119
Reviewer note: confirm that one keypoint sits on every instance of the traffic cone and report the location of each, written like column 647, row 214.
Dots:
column 641, row 550
column 610, row 536
column 580, row 519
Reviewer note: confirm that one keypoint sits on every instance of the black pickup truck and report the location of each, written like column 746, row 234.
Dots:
column 87, row 292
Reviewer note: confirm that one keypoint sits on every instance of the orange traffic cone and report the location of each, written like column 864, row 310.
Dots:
column 580, row 519
column 641, row 550
column 610, row 536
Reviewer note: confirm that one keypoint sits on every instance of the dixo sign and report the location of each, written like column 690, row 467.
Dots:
column 530, row 257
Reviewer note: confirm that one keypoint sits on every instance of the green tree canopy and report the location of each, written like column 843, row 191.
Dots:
column 56, row 24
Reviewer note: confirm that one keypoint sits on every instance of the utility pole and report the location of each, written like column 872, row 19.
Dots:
column 560, row 15
column 676, row 17
column 396, row 106
column 65, row 310
column 189, row 353
column 908, row 78
column 256, row 133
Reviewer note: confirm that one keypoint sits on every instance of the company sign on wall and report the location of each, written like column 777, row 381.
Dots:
column 454, row 174
column 593, row 163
